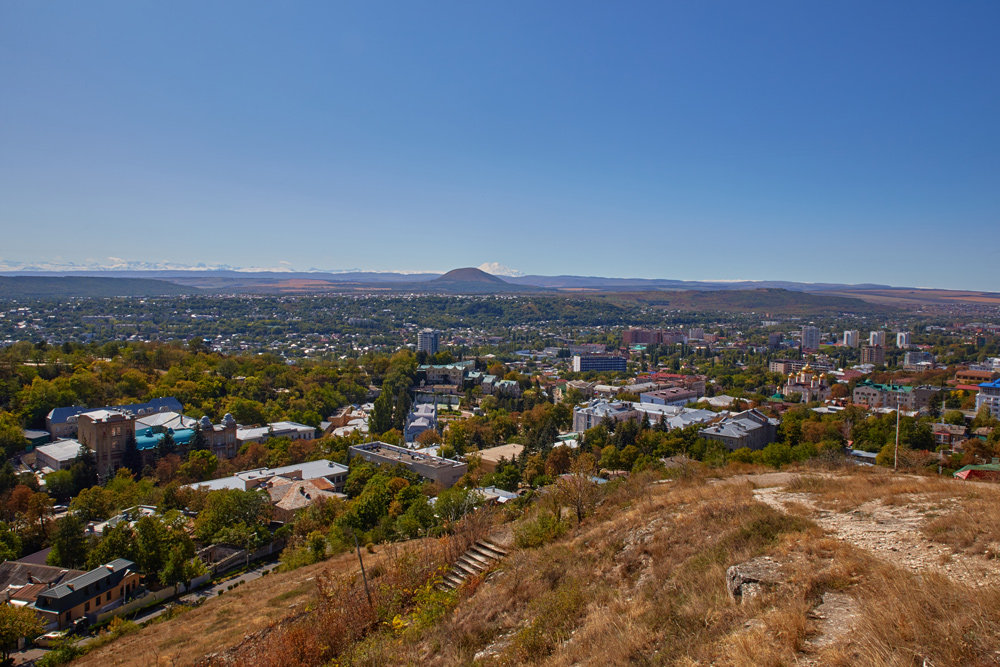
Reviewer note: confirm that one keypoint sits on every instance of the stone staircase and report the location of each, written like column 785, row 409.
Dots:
column 476, row 560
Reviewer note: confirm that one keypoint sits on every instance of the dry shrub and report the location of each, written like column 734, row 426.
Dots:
column 344, row 617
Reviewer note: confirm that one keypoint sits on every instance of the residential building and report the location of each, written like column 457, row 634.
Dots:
column 284, row 429
column 423, row 417
column 970, row 376
column 105, row 432
column 873, row 354
column 949, row 435
column 442, row 471
column 786, row 366
column 15, row 575
column 876, row 338
column 852, row 338
column 62, row 422
column 58, row 455
column 696, row 333
column 913, row 359
column 669, row 396
column 673, row 416
column 221, row 438
column 599, row 362
column 290, row 495
column 36, row 437
column 889, row 396
column 334, row 473
column 903, row 340
column 489, row 459
column 751, row 429
column 989, row 396
column 507, row 388
column 427, row 341
column 445, row 374
column 597, row 410
column 634, row 336
column 809, row 339
column 774, row 340
column 101, row 589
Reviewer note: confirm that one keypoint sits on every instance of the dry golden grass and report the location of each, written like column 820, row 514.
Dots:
column 217, row 623
column 642, row 581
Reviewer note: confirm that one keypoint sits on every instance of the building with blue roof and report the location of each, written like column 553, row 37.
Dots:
column 62, row 422
column 989, row 397
column 150, row 439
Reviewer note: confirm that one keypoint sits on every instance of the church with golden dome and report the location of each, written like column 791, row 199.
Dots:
column 809, row 384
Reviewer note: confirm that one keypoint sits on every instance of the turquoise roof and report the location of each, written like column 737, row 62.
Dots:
column 148, row 439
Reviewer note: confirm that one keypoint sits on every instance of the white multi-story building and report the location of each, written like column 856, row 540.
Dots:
column 876, row 338
column 903, row 340
column 989, row 396
column 427, row 341
column 852, row 338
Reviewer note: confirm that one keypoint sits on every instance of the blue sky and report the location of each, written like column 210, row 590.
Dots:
column 841, row 142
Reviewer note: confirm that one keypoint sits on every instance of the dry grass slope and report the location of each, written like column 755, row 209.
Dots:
column 642, row 581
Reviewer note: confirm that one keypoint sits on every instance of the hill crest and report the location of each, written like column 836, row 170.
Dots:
column 469, row 274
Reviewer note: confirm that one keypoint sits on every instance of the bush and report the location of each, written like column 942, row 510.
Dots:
column 538, row 531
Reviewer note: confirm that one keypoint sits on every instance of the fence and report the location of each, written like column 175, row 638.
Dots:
column 152, row 597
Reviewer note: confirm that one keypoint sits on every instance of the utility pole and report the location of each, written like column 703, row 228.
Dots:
column 895, row 455
column 363, row 575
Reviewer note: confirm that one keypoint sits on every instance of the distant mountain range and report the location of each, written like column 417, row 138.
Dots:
column 466, row 280
column 212, row 279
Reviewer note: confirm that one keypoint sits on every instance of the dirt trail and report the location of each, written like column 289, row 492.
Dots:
column 890, row 532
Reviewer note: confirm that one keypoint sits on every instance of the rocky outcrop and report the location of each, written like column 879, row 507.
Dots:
column 750, row 579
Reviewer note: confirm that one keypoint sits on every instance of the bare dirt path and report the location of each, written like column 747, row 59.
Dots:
column 890, row 532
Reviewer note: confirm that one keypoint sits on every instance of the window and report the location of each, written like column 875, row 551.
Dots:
column 86, row 606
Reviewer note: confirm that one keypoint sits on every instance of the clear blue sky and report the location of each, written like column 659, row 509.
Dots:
column 812, row 141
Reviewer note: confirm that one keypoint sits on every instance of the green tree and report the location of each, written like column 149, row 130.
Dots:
column 132, row 457
column 229, row 507
column 117, row 542
column 84, row 469
column 15, row 623
column 12, row 438
column 200, row 465
column 166, row 445
column 60, row 485
column 69, row 546
column 198, row 440
column 954, row 417
column 10, row 543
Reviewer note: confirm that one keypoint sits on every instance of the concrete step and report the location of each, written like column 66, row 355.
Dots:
column 474, row 554
column 490, row 549
column 466, row 568
column 472, row 563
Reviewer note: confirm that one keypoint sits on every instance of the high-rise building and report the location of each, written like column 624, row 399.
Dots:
column 852, row 338
column 427, row 341
column 876, row 338
column 989, row 396
column 810, row 338
column 697, row 333
column 873, row 354
column 903, row 340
